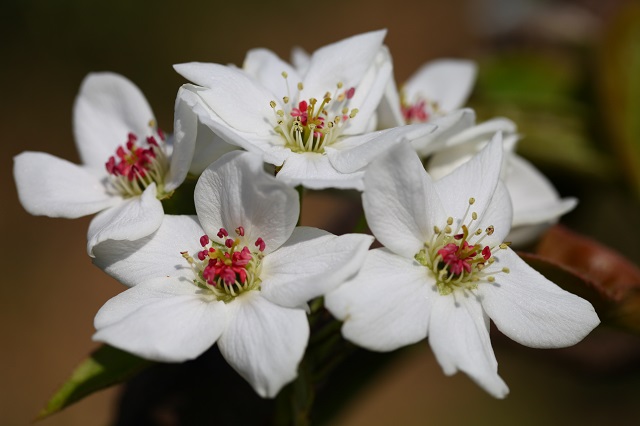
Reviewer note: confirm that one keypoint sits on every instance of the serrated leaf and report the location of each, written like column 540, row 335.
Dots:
column 106, row 366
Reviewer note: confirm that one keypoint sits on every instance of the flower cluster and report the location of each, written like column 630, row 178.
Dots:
column 444, row 196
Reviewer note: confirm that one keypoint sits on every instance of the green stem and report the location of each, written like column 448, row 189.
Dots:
column 301, row 191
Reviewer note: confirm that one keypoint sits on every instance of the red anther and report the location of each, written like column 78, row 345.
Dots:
column 222, row 233
column 486, row 252
column 260, row 244
column 229, row 243
column 458, row 237
column 240, row 231
column 204, row 240
column 152, row 141
column 202, row 255
column 131, row 137
column 349, row 94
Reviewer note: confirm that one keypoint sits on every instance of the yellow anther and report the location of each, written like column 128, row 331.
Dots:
column 490, row 230
column 447, row 229
column 474, row 216
column 313, row 101
column 353, row 112
column 449, row 220
column 284, row 74
column 273, row 104
column 505, row 245
column 280, row 113
column 285, row 99
column 436, row 229
column 300, row 86
column 472, row 200
column 506, row 270
column 339, row 85
column 491, row 279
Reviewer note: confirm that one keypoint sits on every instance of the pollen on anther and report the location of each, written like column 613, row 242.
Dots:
column 472, row 200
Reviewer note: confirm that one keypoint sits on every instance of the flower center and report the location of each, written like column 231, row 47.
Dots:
column 310, row 125
column 458, row 259
column 227, row 268
column 137, row 164
column 421, row 110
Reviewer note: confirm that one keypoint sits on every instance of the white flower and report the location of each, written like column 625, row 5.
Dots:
column 536, row 203
column 445, row 270
column 238, row 275
column 312, row 123
column 438, row 88
column 128, row 166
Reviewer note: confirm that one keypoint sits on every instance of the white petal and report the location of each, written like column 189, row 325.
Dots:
column 315, row 171
column 107, row 109
column 387, row 305
column 534, row 199
column 239, row 100
column 498, row 214
column 54, row 187
column 369, row 93
column 249, row 141
column 400, row 201
column 185, row 127
column 446, row 81
column 131, row 220
column 462, row 146
column 157, row 255
column 532, row 310
column 236, row 191
column 356, row 152
column 164, row 319
column 300, row 59
column 448, row 127
column 208, row 145
column 459, row 338
column 475, row 179
column 311, row 263
column 389, row 112
column 264, row 342
column 266, row 67
column 343, row 62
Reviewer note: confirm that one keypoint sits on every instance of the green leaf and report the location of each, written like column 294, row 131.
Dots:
column 105, row 367
column 619, row 84
column 541, row 95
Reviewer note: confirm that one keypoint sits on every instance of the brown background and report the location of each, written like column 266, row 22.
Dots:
column 50, row 291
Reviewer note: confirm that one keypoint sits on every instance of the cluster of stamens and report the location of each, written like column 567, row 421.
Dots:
column 137, row 165
column 309, row 126
column 419, row 111
column 457, row 258
column 227, row 268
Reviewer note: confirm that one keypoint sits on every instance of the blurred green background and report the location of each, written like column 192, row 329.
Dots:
column 568, row 72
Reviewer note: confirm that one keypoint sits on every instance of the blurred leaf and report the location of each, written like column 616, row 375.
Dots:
column 539, row 92
column 589, row 269
column 619, row 84
column 105, row 367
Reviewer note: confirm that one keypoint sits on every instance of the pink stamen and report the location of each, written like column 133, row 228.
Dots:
column 204, row 240
column 222, row 233
column 240, row 231
column 260, row 244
